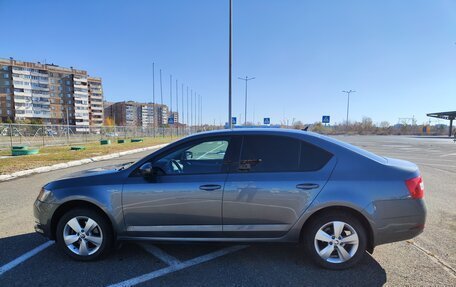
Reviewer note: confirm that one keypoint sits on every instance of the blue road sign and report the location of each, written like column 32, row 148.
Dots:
column 325, row 119
column 170, row 120
column 267, row 121
column 233, row 120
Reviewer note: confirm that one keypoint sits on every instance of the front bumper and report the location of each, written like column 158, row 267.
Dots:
column 43, row 217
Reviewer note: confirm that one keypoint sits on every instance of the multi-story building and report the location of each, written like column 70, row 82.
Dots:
column 95, row 101
column 124, row 113
column 132, row 113
column 147, row 115
column 162, row 115
column 49, row 93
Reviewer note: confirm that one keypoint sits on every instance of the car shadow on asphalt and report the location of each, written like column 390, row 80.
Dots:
column 256, row 265
column 269, row 265
column 51, row 267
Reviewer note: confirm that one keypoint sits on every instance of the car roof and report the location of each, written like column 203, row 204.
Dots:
column 323, row 141
column 257, row 131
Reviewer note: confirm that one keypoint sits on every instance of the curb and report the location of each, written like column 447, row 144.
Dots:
column 5, row 177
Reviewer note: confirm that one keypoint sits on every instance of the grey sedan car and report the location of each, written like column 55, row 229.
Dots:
column 243, row 185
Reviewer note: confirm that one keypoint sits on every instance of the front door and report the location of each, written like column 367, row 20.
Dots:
column 184, row 196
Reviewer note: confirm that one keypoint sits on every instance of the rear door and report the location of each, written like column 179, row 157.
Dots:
column 274, row 181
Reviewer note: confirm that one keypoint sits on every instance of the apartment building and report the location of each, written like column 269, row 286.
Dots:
column 49, row 93
column 123, row 113
column 162, row 115
column 130, row 113
column 147, row 115
column 95, row 101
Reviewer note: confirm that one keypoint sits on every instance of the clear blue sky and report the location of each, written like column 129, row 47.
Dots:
column 400, row 56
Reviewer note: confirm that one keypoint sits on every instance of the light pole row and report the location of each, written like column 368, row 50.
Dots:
column 191, row 108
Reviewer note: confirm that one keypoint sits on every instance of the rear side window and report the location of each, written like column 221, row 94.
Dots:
column 280, row 154
column 269, row 154
column 312, row 157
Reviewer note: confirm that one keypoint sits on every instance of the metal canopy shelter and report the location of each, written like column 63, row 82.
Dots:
column 446, row 116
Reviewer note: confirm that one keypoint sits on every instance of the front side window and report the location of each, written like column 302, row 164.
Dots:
column 199, row 158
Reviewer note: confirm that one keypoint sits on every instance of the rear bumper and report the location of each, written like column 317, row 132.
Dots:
column 397, row 220
column 43, row 215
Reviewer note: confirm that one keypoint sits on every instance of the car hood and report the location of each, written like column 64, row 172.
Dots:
column 93, row 172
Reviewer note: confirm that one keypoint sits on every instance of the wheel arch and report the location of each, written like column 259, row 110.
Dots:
column 348, row 210
column 65, row 207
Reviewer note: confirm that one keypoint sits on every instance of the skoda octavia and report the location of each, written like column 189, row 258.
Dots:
column 247, row 185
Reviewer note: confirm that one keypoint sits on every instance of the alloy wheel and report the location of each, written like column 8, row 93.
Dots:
column 336, row 242
column 82, row 235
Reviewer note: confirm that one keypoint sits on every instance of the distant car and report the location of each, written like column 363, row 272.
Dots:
column 112, row 134
column 51, row 133
column 246, row 185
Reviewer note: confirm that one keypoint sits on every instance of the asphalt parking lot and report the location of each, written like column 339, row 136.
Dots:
column 27, row 259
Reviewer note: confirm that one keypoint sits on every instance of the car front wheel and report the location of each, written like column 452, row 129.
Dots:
column 336, row 240
column 84, row 234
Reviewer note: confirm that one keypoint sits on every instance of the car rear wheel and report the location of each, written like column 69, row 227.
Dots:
column 336, row 240
column 84, row 234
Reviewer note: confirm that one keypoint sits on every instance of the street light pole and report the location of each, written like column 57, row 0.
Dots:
column 182, row 101
column 171, row 104
column 196, row 110
column 230, row 124
column 191, row 107
column 177, row 109
column 246, row 79
column 187, row 113
column 171, row 93
column 201, row 111
column 161, row 106
column 348, row 102
column 154, row 118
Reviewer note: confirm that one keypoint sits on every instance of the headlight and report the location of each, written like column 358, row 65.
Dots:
column 44, row 193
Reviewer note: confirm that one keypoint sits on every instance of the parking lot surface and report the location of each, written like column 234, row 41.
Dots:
column 28, row 259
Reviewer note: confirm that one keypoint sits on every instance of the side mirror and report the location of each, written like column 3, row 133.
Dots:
column 146, row 169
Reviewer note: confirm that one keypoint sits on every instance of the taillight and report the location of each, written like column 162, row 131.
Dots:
column 416, row 187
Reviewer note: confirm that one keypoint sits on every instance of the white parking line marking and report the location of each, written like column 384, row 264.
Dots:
column 160, row 254
column 24, row 257
column 179, row 266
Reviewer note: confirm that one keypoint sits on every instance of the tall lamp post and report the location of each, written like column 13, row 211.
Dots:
column 154, row 118
column 246, row 79
column 348, row 103
column 230, row 123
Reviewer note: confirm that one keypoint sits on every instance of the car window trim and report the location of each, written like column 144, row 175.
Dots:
column 229, row 138
column 234, row 168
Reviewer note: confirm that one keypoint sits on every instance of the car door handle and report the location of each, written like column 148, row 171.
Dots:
column 307, row 186
column 210, row 187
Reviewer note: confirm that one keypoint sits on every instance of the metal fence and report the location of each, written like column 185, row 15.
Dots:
column 52, row 135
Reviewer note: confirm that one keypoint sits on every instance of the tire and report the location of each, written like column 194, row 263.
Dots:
column 83, row 245
column 331, row 248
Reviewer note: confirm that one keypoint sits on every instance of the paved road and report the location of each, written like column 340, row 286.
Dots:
column 429, row 259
